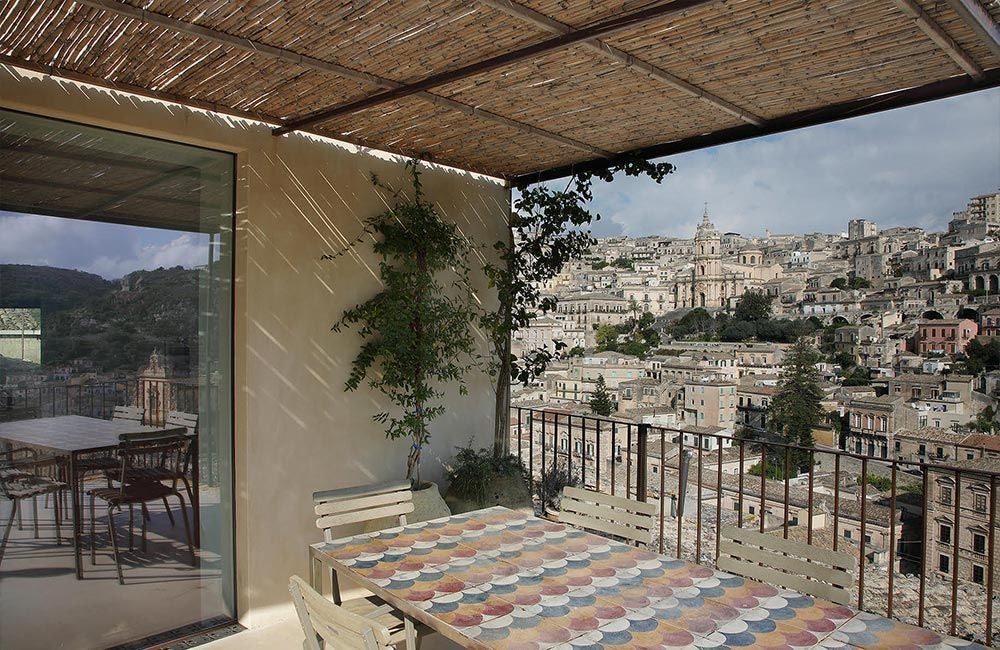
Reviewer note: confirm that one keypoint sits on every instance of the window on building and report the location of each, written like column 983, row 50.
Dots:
column 944, row 534
column 978, row 542
column 656, row 469
column 922, row 450
column 944, row 563
column 978, row 574
column 946, row 495
column 752, row 510
column 980, row 502
column 847, row 534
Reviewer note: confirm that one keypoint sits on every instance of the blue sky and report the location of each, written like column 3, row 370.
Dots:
column 912, row 166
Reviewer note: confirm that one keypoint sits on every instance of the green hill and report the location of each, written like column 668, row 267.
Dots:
column 115, row 325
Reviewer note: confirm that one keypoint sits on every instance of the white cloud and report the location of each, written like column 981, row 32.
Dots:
column 912, row 166
column 109, row 250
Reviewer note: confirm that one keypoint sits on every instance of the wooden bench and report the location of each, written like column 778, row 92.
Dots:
column 630, row 520
column 810, row 570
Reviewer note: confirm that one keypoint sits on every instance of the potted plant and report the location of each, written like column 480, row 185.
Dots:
column 481, row 478
column 416, row 332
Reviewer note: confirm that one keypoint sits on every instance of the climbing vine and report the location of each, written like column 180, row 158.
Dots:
column 416, row 332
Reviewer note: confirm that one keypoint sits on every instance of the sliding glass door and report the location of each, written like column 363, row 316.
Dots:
column 115, row 320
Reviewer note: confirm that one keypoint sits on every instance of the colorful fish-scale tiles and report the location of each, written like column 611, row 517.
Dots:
column 504, row 579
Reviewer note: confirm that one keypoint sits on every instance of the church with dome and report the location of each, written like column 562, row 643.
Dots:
column 713, row 280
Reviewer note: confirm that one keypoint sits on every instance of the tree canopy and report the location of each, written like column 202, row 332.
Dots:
column 600, row 400
column 796, row 410
column 754, row 305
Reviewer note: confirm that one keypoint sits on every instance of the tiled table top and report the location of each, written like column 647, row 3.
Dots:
column 500, row 579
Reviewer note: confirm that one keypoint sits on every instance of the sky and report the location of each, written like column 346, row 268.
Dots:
column 911, row 166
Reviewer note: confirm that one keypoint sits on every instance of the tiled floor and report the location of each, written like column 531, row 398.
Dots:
column 43, row 605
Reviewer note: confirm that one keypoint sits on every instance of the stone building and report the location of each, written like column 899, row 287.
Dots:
column 958, row 518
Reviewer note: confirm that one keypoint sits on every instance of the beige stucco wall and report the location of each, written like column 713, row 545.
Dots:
column 296, row 430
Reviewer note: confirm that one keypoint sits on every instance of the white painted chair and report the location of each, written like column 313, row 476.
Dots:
column 334, row 626
column 630, row 520
column 817, row 572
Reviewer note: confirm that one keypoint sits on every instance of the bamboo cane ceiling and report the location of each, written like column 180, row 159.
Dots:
column 698, row 74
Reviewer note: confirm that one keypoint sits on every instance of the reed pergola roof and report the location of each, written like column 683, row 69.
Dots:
column 522, row 89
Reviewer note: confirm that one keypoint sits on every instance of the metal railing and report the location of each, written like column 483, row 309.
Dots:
column 848, row 501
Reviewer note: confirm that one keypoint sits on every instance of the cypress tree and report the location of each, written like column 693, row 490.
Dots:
column 795, row 410
column 600, row 400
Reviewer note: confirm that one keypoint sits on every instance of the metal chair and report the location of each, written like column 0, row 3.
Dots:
column 632, row 521
column 325, row 623
column 23, row 476
column 177, row 422
column 139, row 452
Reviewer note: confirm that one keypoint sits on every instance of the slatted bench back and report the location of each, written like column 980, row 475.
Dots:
column 180, row 419
column 817, row 572
column 129, row 413
column 610, row 515
column 362, row 503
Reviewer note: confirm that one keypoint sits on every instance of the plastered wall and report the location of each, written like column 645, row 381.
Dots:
column 296, row 430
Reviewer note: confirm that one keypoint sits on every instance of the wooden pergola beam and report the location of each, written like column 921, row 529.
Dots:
column 605, row 28
column 940, row 38
column 979, row 21
column 288, row 56
column 543, row 21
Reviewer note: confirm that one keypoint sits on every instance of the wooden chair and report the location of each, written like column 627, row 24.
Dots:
column 326, row 624
column 627, row 519
column 138, row 452
column 810, row 570
column 357, row 505
column 129, row 413
column 23, row 475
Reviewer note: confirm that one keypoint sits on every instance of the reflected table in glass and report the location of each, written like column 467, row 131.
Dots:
column 497, row 578
column 74, row 435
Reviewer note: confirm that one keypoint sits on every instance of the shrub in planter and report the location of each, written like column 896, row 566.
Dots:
column 551, row 485
column 481, row 478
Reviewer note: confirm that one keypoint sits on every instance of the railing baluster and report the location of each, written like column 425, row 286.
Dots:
column 545, row 416
column 763, row 486
column 836, row 500
column 739, row 491
column 862, row 544
column 531, row 444
column 697, row 544
column 681, row 491
column 924, row 552
column 809, row 506
column 663, row 472
column 956, row 538
column 785, row 532
column 892, row 539
column 991, row 559
column 519, row 458
column 614, row 455
column 718, row 501
column 597, row 455
column 628, row 462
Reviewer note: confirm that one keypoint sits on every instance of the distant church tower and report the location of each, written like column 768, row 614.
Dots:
column 708, row 279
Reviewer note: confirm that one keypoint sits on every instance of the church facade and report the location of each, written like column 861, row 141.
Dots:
column 715, row 281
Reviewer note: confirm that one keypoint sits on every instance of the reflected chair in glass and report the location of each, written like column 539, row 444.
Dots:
column 129, row 414
column 23, row 475
column 138, row 453
column 373, row 628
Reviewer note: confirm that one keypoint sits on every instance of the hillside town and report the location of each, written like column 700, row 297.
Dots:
column 689, row 338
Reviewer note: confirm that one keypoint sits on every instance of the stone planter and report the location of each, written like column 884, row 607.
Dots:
column 427, row 505
column 509, row 491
